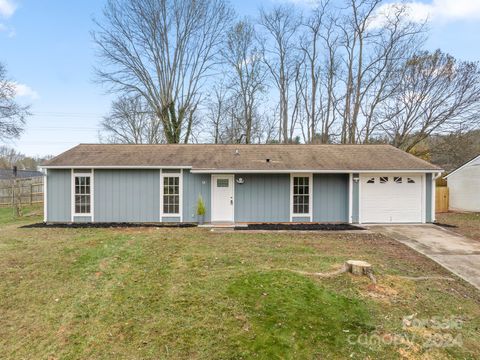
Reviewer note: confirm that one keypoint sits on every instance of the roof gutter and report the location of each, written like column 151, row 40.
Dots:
column 112, row 167
column 236, row 171
column 243, row 171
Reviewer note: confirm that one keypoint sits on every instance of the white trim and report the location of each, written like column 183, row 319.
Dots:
column 310, row 196
column 180, row 199
column 161, row 198
column 73, row 176
column 214, row 171
column 225, row 171
column 45, row 197
column 461, row 167
column 113, row 167
column 359, row 198
column 92, row 195
column 424, row 198
column 433, row 189
column 350, row 198
column 72, row 196
column 212, row 189
column 180, row 195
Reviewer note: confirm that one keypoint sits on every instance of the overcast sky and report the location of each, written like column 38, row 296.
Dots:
column 47, row 48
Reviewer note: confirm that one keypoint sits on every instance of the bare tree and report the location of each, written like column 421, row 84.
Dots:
column 216, row 111
column 248, row 78
column 375, row 47
column 311, row 49
column 281, row 25
column 132, row 122
column 10, row 157
column 437, row 93
column 12, row 114
column 162, row 50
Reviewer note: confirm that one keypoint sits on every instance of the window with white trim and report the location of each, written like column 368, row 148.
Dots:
column 301, row 195
column 171, row 194
column 83, row 194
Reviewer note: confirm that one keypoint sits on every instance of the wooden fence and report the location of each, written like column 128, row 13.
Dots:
column 441, row 199
column 22, row 191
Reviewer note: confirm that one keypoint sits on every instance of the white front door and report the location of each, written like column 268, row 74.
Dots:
column 222, row 198
column 391, row 198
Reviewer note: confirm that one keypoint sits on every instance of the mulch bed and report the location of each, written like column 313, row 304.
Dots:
column 445, row 225
column 105, row 225
column 306, row 227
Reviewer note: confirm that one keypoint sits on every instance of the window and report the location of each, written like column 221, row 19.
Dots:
column 383, row 179
column 171, row 194
column 410, row 181
column 371, row 181
column 82, row 194
column 301, row 195
column 222, row 182
column 397, row 179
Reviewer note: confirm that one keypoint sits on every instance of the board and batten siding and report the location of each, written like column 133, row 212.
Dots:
column 330, row 197
column 262, row 198
column 429, row 188
column 355, row 198
column 127, row 195
column 195, row 185
column 59, row 195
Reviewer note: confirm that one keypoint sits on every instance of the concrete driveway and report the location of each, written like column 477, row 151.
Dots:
column 456, row 253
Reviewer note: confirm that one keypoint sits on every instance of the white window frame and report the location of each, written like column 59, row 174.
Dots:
column 310, row 196
column 180, row 194
column 90, row 175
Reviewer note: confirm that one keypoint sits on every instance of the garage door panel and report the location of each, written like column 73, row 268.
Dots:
column 391, row 202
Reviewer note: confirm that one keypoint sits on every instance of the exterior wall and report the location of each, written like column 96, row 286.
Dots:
column 356, row 199
column 429, row 187
column 171, row 219
column 59, row 195
column 195, row 185
column 127, row 195
column 330, row 197
column 262, row 198
column 464, row 188
column 300, row 219
column 82, row 219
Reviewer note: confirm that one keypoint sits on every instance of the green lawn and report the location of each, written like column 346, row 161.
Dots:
column 151, row 293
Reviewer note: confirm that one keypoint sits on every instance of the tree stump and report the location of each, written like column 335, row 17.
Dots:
column 358, row 267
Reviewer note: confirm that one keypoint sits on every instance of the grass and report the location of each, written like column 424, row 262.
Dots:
column 467, row 224
column 147, row 293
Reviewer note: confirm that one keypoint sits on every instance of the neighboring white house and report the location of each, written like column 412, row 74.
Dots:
column 464, row 186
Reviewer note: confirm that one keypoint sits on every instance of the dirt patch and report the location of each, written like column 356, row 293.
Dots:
column 106, row 225
column 301, row 227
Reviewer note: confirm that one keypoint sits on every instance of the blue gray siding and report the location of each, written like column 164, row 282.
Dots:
column 356, row 199
column 428, row 198
column 82, row 219
column 171, row 219
column 127, row 195
column 263, row 198
column 59, row 195
column 300, row 219
column 330, row 197
column 195, row 185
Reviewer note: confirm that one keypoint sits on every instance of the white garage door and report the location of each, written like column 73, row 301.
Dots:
column 391, row 199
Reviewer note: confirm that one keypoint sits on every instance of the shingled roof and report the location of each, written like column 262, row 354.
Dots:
column 242, row 157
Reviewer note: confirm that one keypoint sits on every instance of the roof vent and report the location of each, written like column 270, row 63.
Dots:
column 267, row 160
column 237, row 152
